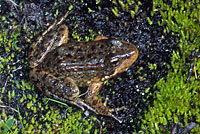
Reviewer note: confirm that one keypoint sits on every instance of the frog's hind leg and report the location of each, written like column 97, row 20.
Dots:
column 63, row 89
column 50, row 39
column 94, row 101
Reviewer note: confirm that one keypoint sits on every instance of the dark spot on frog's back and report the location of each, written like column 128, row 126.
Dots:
column 42, row 87
column 50, row 89
column 44, row 49
column 95, row 101
column 68, row 55
column 37, row 71
column 48, row 63
column 50, row 36
column 100, row 53
column 101, row 46
column 55, row 54
column 55, row 82
column 89, row 55
column 79, row 51
column 93, row 47
column 66, row 89
column 70, row 48
column 82, row 58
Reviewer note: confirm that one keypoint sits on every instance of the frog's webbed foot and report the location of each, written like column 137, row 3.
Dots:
column 114, row 109
column 93, row 100
column 117, row 109
column 111, row 110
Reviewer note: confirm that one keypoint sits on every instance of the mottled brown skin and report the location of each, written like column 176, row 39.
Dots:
column 60, row 68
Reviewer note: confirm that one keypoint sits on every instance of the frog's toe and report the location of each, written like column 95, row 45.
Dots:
column 120, row 121
column 106, row 100
column 117, row 109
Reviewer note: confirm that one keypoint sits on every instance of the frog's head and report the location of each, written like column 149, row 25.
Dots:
column 123, row 55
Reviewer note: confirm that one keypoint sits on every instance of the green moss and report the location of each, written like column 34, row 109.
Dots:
column 126, row 6
column 115, row 12
column 175, row 95
column 70, row 7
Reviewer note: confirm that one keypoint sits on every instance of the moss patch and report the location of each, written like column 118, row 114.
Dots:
column 177, row 98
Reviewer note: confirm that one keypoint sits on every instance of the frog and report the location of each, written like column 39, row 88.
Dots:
column 60, row 69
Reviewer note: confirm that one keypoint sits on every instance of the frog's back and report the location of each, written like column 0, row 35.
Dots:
column 85, row 61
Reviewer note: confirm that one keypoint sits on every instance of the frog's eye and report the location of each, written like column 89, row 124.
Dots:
column 115, row 61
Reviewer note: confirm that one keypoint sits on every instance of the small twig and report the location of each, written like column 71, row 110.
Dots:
column 198, row 15
column 174, row 130
column 12, row 2
column 189, row 127
column 195, row 72
column 20, row 67
column 9, row 77
column 13, row 63
column 3, row 106
column 100, row 130
column 6, row 82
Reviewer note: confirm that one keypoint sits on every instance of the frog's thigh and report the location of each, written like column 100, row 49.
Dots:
column 63, row 89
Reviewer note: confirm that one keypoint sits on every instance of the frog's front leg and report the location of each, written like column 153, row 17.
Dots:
column 93, row 100
column 46, row 43
column 53, row 37
column 62, row 88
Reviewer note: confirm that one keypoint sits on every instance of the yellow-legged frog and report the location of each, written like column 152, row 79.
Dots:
column 59, row 67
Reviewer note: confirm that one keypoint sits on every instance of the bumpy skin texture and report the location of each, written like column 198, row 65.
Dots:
column 60, row 68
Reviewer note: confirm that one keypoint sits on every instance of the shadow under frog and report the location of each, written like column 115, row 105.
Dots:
column 59, row 68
